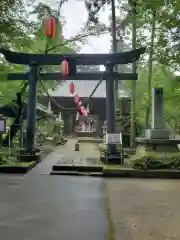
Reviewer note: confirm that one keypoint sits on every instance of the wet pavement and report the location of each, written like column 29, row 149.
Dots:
column 44, row 207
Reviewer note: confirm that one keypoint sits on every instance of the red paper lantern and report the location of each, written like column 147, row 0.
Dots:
column 64, row 68
column 49, row 26
column 72, row 88
column 76, row 99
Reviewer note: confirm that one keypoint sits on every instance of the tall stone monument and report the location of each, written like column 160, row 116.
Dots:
column 158, row 129
column 158, row 137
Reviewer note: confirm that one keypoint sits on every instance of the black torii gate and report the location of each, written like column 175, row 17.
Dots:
column 37, row 60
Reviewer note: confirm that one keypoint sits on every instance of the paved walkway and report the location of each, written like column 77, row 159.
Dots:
column 88, row 154
column 39, row 206
column 45, row 207
column 65, row 154
column 45, row 167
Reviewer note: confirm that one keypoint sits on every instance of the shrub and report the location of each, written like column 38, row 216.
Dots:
column 157, row 161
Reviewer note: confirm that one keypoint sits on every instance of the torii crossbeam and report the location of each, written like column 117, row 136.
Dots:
column 36, row 60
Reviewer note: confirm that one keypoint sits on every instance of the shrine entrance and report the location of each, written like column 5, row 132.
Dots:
column 34, row 61
column 87, row 126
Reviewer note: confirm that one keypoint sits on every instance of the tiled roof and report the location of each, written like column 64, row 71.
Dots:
column 84, row 88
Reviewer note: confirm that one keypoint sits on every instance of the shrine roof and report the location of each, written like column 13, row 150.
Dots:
column 84, row 88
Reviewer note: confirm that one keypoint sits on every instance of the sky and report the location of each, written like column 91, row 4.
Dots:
column 76, row 15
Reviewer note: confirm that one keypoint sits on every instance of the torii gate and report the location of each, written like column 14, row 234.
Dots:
column 36, row 60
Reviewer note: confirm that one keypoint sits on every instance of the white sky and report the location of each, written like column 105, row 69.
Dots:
column 75, row 15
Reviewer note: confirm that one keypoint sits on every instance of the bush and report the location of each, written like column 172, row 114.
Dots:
column 3, row 158
column 157, row 161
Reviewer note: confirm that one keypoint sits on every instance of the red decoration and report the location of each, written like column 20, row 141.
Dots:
column 64, row 68
column 76, row 99
column 83, row 111
column 49, row 26
column 72, row 88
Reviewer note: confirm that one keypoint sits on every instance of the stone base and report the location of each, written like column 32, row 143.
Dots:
column 29, row 155
column 157, row 133
column 114, row 159
column 158, row 145
column 76, row 147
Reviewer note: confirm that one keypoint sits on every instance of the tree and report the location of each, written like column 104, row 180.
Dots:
column 162, row 77
column 133, row 4
column 150, row 62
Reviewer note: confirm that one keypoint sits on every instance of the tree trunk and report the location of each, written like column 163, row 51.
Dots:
column 133, row 94
column 150, row 68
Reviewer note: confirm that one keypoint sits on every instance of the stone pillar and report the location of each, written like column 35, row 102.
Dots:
column 158, row 129
column 157, row 113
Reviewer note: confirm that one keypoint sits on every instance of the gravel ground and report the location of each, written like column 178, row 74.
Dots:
column 143, row 209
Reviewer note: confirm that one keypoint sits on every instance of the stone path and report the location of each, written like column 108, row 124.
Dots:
column 88, row 154
column 65, row 154
column 144, row 209
column 45, row 167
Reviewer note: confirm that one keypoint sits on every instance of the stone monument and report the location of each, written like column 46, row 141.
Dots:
column 158, row 129
column 158, row 137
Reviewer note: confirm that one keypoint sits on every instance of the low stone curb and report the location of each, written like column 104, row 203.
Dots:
column 121, row 173
column 17, row 169
column 134, row 173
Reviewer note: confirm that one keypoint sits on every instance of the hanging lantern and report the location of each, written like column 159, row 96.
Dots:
column 49, row 25
column 68, row 67
column 72, row 88
column 64, row 68
column 76, row 99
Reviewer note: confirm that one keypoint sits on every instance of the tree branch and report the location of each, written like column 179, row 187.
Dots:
column 74, row 39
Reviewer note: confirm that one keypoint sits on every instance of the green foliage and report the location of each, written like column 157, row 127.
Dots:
column 152, row 161
column 21, row 34
column 161, row 77
column 93, row 7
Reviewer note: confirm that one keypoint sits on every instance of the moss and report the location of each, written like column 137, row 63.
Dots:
column 112, row 167
column 153, row 160
column 17, row 164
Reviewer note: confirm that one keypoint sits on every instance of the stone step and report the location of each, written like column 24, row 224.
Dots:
column 77, row 167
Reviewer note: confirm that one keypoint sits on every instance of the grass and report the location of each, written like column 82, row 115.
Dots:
column 111, row 167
